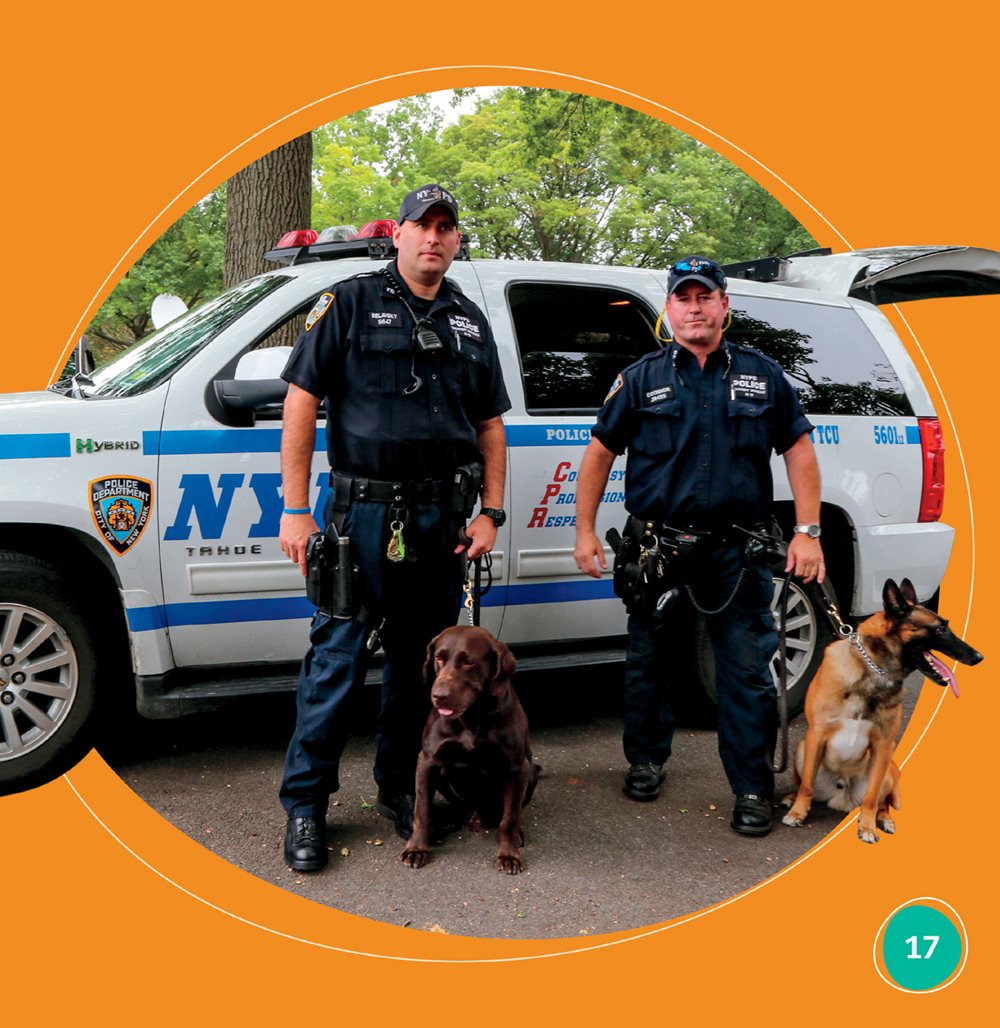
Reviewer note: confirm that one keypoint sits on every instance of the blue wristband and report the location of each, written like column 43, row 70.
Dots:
column 296, row 510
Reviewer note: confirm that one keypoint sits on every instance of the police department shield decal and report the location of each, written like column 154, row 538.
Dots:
column 121, row 508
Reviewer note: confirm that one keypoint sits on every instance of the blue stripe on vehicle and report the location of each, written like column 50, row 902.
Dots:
column 224, row 612
column 549, row 435
column 23, row 446
column 184, row 442
column 225, row 440
column 913, row 434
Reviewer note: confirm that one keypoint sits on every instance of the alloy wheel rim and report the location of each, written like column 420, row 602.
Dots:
column 39, row 679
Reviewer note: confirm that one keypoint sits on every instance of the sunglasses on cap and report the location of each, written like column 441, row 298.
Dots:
column 707, row 268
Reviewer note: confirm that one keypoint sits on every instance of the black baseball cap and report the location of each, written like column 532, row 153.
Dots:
column 420, row 200
column 696, row 269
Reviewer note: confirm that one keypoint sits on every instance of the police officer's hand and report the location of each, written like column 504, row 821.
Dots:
column 293, row 536
column 588, row 547
column 805, row 558
column 482, row 533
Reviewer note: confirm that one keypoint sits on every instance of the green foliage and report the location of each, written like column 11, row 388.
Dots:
column 539, row 175
column 186, row 260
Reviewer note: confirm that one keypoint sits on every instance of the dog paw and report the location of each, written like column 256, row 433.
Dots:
column 867, row 834
column 414, row 857
column 887, row 825
column 509, row 863
column 792, row 820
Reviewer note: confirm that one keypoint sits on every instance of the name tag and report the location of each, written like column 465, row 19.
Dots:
column 385, row 319
column 465, row 326
column 749, row 387
column 660, row 394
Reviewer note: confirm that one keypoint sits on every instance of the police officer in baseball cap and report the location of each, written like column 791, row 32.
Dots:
column 699, row 420
column 408, row 370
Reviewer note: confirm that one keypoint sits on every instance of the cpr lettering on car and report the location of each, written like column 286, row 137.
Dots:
column 556, row 490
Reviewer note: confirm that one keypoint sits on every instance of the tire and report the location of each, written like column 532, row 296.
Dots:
column 808, row 633
column 48, row 673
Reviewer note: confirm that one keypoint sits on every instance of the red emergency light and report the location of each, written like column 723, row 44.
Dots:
column 298, row 237
column 377, row 229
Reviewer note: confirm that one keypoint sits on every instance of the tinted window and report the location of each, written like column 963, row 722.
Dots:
column 827, row 352
column 147, row 363
column 573, row 340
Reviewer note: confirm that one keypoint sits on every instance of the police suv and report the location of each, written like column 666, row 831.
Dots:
column 140, row 505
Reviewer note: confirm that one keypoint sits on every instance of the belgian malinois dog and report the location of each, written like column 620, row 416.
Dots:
column 854, row 709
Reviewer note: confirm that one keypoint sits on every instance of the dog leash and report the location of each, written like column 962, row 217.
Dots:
column 778, row 766
column 844, row 630
column 474, row 590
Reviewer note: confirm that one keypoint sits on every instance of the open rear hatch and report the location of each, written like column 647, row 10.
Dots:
column 891, row 274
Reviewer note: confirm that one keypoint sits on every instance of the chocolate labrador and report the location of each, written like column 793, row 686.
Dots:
column 476, row 750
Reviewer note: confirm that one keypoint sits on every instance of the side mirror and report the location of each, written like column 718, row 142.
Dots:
column 256, row 387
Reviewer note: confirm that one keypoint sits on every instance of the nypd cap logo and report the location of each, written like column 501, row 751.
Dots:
column 121, row 508
column 417, row 203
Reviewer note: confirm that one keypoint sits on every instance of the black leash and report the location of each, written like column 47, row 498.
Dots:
column 474, row 591
column 782, row 686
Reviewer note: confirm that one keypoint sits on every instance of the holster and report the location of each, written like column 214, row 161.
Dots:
column 640, row 575
column 765, row 546
column 467, row 483
column 332, row 577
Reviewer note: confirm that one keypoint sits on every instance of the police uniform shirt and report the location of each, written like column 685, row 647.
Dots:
column 395, row 411
column 699, row 441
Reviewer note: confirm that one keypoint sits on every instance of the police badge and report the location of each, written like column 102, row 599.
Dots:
column 121, row 508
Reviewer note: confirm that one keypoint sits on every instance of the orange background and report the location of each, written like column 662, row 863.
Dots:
column 874, row 130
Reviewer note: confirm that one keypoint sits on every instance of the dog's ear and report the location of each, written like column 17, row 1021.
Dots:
column 894, row 599
column 909, row 593
column 429, row 672
column 506, row 665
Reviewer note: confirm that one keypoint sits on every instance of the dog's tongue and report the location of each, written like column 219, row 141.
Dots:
column 944, row 671
column 447, row 711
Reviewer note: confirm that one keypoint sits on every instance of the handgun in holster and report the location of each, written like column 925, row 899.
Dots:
column 466, row 486
column 331, row 575
column 641, row 584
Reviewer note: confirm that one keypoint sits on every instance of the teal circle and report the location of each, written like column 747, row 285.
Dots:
column 921, row 947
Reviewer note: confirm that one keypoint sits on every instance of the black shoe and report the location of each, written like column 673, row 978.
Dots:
column 399, row 810
column 305, row 843
column 752, row 815
column 642, row 782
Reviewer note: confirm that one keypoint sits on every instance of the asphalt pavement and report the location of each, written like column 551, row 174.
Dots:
column 595, row 861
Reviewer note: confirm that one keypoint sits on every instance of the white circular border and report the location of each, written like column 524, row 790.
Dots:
column 684, row 920
column 954, row 975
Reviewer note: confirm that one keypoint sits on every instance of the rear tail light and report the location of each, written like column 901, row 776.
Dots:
column 932, row 448
column 377, row 229
column 297, row 237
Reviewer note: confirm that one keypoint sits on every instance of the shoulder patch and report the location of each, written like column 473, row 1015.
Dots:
column 615, row 386
column 321, row 307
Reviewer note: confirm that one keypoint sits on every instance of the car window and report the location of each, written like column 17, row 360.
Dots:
column 157, row 357
column 827, row 352
column 573, row 340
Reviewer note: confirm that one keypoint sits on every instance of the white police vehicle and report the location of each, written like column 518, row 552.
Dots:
column 140, row 506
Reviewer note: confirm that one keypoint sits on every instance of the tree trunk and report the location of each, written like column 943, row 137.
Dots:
column 264, row 201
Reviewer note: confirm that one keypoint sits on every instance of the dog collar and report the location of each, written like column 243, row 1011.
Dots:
column 853, row 636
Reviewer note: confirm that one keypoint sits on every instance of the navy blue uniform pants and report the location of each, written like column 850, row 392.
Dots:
column 418, row 599
column 744, row 640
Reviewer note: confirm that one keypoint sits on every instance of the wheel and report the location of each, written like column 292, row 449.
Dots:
column 807, row 634
column 48, row 673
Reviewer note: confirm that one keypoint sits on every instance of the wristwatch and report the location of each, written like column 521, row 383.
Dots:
column 810, row 530
column 495, row 514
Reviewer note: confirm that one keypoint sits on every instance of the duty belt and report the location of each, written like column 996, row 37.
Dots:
column 348, row 488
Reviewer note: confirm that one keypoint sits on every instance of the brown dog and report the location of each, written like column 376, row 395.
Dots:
column 855, row 712
column 476, row 750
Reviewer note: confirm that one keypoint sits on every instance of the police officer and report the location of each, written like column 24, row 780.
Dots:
column 699, row 420
column 408, row 371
